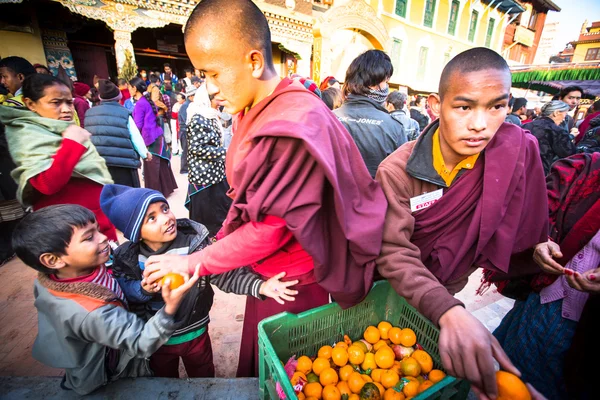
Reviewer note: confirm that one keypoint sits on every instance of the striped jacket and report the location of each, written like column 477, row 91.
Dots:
column 197, row 303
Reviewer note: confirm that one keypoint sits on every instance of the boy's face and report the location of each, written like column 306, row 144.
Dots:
column 472, row 110
column 87, row 250
column 160, row 225
column 10, row 80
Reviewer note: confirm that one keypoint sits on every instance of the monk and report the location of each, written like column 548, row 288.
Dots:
column 303, row 200
column 469, row 193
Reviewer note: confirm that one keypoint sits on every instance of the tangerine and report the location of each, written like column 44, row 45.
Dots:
column 380, row 387
column 304, row 365
column 339, row 357
column 341, row 344
column 391, row 394
column 175, row 278
column 362, row 345
column 356, row 355
column 390, row 379
column 372, row 335
column 301, row 396
column 312, row 377
column 395, row 334
column 356, row 382
column 354, row 396
column 376, row 374
column 296, row 377
column 319, row 365
column 385, row 357
column 367, row 378
column 344, row 388
column 325, row 352
column 331, row 392
column 511, row 387
column 345, row 372
column 313, row 390
column 408, row 338
column 411, row 389
column 396, row 368
column 384, row 328
column 380, row 344
column 410, row 367
column 328, row 377
column 424, row 360
column 425, row 385
column 435, row 375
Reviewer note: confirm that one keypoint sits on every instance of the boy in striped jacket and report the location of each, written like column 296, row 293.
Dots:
column 145, row 218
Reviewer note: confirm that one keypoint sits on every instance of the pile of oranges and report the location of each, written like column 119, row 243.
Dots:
column 385, row 364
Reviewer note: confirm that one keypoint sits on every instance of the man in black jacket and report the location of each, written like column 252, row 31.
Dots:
column 375, row 132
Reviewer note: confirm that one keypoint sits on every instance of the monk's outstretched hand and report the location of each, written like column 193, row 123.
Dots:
column 544, row 256
column 278, row 290
column 468, row 350
column 158, row 266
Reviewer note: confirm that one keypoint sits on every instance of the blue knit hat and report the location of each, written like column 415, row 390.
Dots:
column 126, row 206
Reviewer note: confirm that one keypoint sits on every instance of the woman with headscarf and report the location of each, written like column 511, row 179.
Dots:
column 554, row 142
column 539, row 331
column 207, row 192
column 157, row 169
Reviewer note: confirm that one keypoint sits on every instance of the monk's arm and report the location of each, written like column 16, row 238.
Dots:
column 247, row 245
column 400, row 260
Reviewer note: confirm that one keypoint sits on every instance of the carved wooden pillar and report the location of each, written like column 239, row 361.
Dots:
column 122, row 44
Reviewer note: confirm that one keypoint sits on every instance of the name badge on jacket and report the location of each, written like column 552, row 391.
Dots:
column 423, row 201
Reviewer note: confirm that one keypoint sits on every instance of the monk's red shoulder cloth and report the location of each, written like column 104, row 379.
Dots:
column 291, row 158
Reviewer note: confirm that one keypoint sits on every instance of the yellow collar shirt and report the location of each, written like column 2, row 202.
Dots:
column 440, row 166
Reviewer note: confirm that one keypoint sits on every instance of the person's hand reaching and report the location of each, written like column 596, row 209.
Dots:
column 278, row 290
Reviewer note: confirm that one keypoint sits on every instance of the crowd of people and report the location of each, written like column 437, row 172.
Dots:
column 298, row 194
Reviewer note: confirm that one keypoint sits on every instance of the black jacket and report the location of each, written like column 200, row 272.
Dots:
column 196, row 305
column 590, row 143
column 422, row 119
column 554, row 142
column 375, row 132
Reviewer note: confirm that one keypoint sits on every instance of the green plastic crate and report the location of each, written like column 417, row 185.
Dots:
column 286, row 334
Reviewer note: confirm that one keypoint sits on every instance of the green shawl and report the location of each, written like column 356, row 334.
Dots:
column 33, row 140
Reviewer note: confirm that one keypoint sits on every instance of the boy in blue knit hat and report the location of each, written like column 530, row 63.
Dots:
column 145, row 218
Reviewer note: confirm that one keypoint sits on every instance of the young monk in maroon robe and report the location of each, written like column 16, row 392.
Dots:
column 303, row 201
column 469, row 193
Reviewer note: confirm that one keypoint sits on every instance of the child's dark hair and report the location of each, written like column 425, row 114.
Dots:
column 34, row 85
column 140, row 86
column 368, row 69
column 48, row 230
column 18, row 65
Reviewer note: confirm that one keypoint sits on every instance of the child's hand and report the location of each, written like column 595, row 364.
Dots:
column 278, row 290
column 156, row 267
column 588, row 282
column 151, row 288
column 172, row 298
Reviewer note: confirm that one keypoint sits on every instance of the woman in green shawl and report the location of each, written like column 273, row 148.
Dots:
column 55, row 161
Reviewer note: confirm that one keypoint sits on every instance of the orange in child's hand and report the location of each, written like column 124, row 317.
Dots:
column 325, row 352
column 320, row 365
column 304, row 365
column 395, row 335
column 436, row 375
column 313, row 390
column 384, row 328
column 391, row 394
column 175, row 278
column 356, row 382
column 511, row 387
column 328, row 377
column 339, row 356
column 385, row 357
column 372, row 335
column 424, row 360
column 408, row 338
column 331, row 392
column 345, row 372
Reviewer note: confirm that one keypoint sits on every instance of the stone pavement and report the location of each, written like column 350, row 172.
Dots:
column 18, row 321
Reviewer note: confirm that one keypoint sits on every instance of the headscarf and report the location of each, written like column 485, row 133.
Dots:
column 201, row 106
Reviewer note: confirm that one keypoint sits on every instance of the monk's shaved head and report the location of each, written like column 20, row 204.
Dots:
column 239, row 22
column 472, row 60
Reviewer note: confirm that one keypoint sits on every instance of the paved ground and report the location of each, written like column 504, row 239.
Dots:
column 18, row 322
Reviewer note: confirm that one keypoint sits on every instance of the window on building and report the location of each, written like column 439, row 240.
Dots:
column 422, row 63
column 429, row 11
column 401, row 8
column 592, row 54
column 396, row 54
column 473, row 25
column 490, row 32
column 453, row 17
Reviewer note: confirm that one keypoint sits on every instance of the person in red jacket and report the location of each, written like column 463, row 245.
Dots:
column 49, row 97
column 303, row 200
